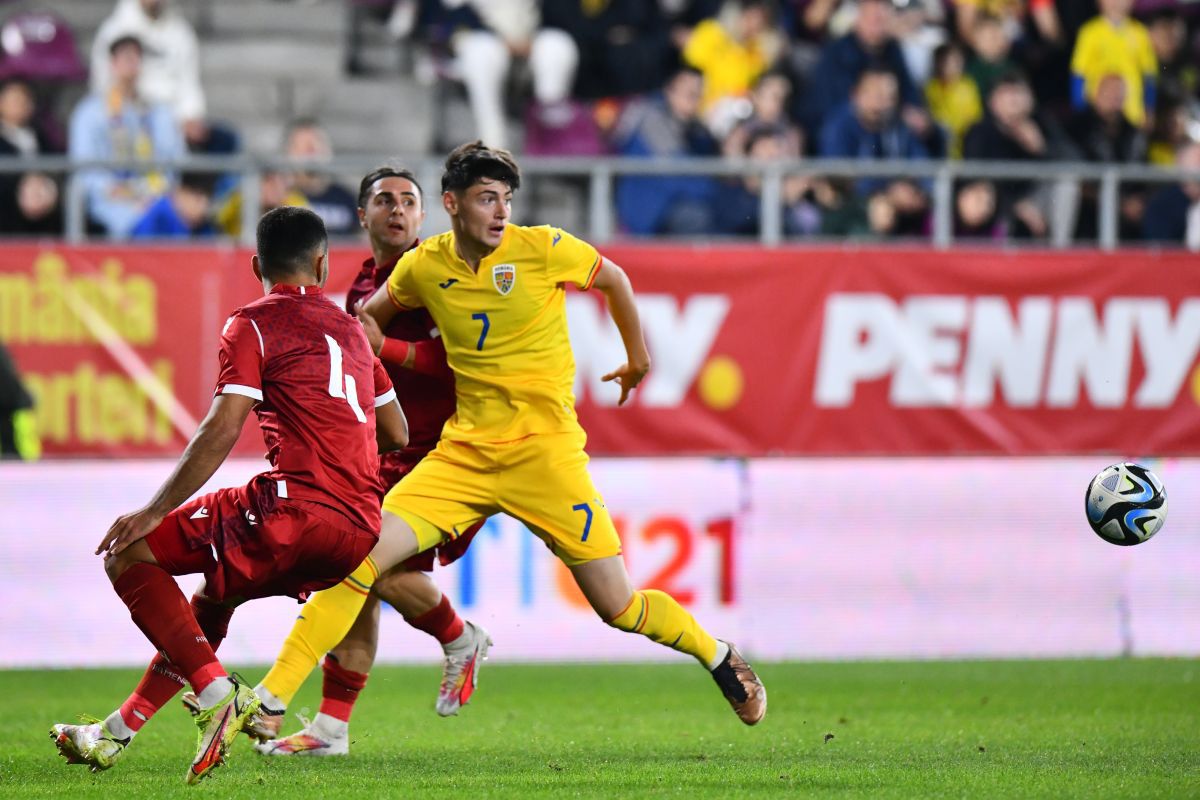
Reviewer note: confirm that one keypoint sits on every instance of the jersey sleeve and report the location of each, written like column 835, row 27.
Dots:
column 571, row 260
column 384, row 391
column 241, row 358
column 402, row 284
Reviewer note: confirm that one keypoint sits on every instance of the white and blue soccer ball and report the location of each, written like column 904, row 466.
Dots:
column 1126, row 504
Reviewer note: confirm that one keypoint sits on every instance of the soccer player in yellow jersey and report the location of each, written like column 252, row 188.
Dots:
column 514, row 445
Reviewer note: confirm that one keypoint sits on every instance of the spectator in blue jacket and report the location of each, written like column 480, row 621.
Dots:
column 869, row 128
column 183, row 212
column 117, row 124
column 667, row 126
column 843, row 60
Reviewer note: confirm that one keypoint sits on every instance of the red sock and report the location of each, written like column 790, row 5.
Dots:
column 162, row 613
column 340, row 689
column 441, row 622
column 162, row 680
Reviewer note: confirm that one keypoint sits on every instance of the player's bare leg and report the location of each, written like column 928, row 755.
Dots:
column 655, row 614
column 328, row 616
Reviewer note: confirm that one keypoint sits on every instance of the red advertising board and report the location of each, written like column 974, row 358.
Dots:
column 756, row 352
column 911, row 352
column 118, row 345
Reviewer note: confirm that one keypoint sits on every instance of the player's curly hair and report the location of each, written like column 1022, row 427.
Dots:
column 470, row 162
column 386, row 171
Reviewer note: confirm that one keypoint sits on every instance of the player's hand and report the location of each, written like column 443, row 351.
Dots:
column 374, row 334
column 628, row 376
column 128, row 529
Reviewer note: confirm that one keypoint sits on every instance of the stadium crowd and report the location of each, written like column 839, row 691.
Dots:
column 1101, row 81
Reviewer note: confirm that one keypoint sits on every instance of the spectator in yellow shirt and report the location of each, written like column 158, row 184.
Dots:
column 731, row 51
column 952, row 96
column 1115, row 44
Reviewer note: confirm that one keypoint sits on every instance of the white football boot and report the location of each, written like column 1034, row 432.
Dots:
column 311, row 740
column 460, row 669
column 89, row 744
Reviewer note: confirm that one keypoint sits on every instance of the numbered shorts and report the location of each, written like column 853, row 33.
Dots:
column 249, row 543
column 392, row 470
column 541, row 480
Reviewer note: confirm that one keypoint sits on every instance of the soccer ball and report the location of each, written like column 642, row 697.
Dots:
column 1126, row 504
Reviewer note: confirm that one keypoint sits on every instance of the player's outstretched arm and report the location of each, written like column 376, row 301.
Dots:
column 613, row 283
column 205, row 452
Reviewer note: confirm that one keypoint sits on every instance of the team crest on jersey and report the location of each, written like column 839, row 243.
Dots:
column 504, row 276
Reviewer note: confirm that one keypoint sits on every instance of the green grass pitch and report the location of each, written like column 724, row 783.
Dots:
column 1086, row 729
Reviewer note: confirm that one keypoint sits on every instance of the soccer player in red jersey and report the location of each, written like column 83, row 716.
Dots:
column 391, row 211
column 324, row 404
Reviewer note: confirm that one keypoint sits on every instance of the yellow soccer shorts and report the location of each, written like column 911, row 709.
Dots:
column 541, row 480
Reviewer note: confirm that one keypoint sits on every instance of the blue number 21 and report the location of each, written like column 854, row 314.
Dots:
column 482, row 317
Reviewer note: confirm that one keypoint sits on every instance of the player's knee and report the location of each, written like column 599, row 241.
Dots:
column 115, row 565
column 625, row 616
column 137, row 553
column 389, row 590
column 410, row 593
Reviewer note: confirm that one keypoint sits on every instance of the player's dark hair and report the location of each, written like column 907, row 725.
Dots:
column 385, row 171
column 469, row 163
column 287, row 238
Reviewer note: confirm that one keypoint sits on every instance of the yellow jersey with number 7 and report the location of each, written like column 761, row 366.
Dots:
column 504, row 327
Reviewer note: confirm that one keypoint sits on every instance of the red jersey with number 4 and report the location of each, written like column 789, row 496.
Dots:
column 310, row 367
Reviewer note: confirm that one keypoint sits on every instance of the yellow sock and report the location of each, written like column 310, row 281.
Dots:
column 657, row 615
column 323, row 622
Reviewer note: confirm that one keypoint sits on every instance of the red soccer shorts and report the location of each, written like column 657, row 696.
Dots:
column 249, row 543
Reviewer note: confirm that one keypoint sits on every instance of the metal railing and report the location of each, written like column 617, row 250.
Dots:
column 1064, row 178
